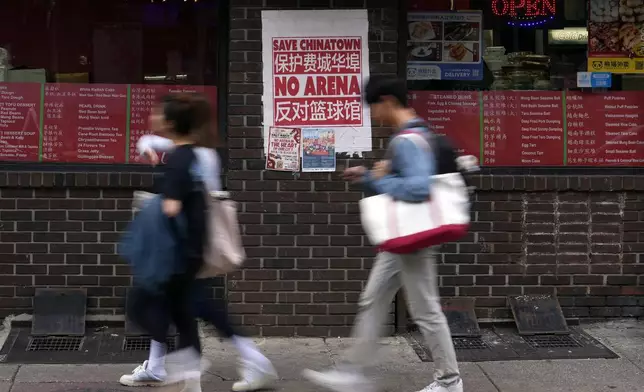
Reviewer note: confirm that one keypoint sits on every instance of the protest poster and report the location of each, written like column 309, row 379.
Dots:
column 283, row 149
column 315, row 66
column 318, row 150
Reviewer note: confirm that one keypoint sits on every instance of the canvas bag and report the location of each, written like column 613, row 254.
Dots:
column 404, row 227
column 224, row 251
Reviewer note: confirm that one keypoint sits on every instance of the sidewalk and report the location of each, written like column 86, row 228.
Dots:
column 399, row 369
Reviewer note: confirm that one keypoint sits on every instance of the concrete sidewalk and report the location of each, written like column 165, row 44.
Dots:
column 398, row 368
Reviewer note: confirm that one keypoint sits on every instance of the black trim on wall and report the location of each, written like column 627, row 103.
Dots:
column 403, row 6
column 222, row 82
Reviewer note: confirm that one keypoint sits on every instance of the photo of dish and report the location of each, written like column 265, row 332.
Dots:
column 424, row 52
column 463, row 52
column 424, row 31
column 457, row 31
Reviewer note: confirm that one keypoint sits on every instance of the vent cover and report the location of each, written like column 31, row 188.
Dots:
column 142, row 343
column 551, row 341
column 55, row 343
column 469, row 343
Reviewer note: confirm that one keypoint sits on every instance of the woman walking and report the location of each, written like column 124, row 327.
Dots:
column 181, row 124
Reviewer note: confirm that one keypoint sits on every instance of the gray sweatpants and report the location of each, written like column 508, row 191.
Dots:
column 417, row 274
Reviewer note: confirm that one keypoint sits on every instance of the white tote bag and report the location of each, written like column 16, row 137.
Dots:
column 224, row 250
column 404, row 227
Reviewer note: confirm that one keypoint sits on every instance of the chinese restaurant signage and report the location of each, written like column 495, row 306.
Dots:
column 315, row 64
column 525, row 12
column 539, row 128
column 79, row 123
column 616, row 36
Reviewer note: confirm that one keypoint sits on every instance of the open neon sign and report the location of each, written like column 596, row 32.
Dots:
column 525, row 13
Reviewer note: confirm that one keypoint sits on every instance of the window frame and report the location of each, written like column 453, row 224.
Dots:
column 511, row 170
column 220, row 63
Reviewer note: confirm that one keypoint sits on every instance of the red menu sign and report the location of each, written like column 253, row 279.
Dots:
column 606, row 129
column 454, row 114
column 142, row 100
column 19, row 121
column 85, row 123
column 523, row 128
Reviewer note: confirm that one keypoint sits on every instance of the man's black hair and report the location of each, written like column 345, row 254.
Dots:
column 380, row 86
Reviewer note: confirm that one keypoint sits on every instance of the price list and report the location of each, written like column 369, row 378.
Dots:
column 84, row 123
column 142, row 100
column 144, row 97
column 582, row 145
column 453, row 114
column 498, row 107
column 522, row 128
column 605, row 130
column 20, row 111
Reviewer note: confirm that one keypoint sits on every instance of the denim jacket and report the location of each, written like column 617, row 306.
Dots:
column 150, row 245
column 411, row 166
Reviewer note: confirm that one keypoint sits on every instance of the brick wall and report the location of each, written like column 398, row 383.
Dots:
column 308, row 258
column 579, row 237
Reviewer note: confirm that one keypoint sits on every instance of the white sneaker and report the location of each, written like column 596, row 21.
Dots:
column 185, row 364
column 255, row 377
column 339, row 380
column 142, row 377
column 437, row 387
column 192, row 385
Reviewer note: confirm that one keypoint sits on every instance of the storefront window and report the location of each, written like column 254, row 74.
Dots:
column 531, row 83
column 78, row 77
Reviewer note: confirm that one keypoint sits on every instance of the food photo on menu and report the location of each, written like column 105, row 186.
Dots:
column 461, row 31
column 465, row 52
column 425, row 31
column 461, row 42
column 617, row 26
column 424, row 51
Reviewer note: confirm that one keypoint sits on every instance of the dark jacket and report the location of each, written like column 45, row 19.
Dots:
column 150, row 245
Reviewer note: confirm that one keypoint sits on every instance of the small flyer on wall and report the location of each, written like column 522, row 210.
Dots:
column 283, row 149
column 318, row 150
column 444, row 46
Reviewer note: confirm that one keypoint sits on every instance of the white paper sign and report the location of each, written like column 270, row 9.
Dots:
column 315, row 66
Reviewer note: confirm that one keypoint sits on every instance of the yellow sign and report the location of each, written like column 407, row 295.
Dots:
column 616, row 64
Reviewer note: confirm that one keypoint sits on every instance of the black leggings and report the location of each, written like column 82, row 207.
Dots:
column 153, row 312
column 209, row 310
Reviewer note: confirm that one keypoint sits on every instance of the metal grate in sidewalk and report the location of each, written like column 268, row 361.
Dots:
column 55, row 343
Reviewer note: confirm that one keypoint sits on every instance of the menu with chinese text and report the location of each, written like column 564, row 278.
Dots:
column 523, row 128
column 79, row 123
column 455, row 114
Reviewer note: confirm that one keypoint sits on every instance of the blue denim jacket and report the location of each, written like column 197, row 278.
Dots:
column 150, row 245
column 412, row 166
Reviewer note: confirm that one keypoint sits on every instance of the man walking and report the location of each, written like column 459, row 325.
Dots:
column 406, row 177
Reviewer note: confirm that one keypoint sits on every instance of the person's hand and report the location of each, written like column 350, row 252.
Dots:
column 354, row 173
column 152, row 157
column 380, row 169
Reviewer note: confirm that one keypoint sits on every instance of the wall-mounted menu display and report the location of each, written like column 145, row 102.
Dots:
column 455, row 114
column 523, row 128
column 84, row 123
column 79, row 123
column 541, row 128
column 20, row 110
column 605, row 129
column 142, row 100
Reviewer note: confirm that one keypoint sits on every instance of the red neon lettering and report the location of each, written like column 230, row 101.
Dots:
column 524, row 8
column 495, row 7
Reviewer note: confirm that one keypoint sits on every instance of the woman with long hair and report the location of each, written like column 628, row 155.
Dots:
column 182, row 128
